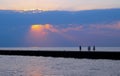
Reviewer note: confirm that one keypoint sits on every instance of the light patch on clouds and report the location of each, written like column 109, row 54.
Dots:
column 40, row 32
column 46, row 28
column 78, row 28
column 113, row 26
column 94, row 29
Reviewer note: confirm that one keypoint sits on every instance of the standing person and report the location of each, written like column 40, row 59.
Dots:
column 93, row 48
column 80, row 48
column 89, row 48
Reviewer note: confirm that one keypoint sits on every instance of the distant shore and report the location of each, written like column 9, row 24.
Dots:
column 65, row 54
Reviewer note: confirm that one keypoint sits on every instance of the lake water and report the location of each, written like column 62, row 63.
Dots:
column 49, row 66
column 61, row 48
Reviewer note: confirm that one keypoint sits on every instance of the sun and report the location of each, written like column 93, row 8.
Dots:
column 36, row 27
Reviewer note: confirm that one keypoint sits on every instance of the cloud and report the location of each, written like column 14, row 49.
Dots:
column 63, row 27
column 40, row 32
column 50, row 28
column 78, row 28
column 46, row 28
column 43, row 29
column 113, row 26
column 54, row 29
column 11, row 18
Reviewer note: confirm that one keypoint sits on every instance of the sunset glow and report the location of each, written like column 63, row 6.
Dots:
column 58, row 4
column 38, row 30
column 36, row 27
column 49, row 23
column 38, row 33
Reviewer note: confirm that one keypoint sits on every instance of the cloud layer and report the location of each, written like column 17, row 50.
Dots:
column 60, row 28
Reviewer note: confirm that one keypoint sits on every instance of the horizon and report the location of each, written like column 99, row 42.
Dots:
column 58, row 10
column 47, row 5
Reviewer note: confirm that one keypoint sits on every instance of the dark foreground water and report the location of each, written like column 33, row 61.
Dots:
column 48, row 66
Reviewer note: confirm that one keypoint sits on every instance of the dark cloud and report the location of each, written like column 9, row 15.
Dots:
column 62, row 28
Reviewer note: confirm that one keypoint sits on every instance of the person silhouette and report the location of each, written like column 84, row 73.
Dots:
column 93, row 48
column 80, row 48
column 89, row 48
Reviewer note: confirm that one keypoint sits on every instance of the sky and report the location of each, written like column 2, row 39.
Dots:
column 72, row 5
column 78, row 22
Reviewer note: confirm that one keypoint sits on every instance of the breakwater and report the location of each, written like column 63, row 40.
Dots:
column 65, row 54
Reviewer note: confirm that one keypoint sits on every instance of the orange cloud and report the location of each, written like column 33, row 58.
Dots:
column 47, row 28
column 38, row 29
column 51, row 28
column 43, row 29
column 39, row 33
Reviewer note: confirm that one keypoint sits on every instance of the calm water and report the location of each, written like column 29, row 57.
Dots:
column 63, row 48
column 48, row 66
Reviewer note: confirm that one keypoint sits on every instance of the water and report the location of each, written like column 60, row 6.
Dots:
column 49, row 66
column 61, row 48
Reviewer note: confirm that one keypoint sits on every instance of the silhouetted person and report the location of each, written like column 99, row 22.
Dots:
column 93, row 48
column 89, row 48
column 80, row 48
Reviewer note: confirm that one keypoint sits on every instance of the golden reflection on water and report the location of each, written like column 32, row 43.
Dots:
column 34, row 72
column 35, row 69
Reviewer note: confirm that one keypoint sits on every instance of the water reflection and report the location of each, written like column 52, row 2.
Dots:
column 34, row 71
column 47, row 66
column 24, row 66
